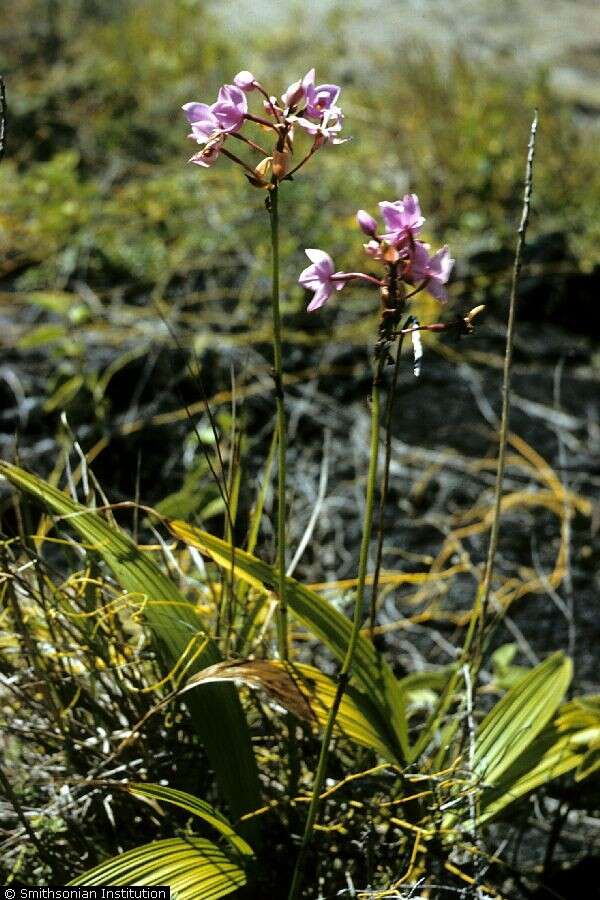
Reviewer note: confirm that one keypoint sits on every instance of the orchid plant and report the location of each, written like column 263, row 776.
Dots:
column 408, row 269
column 306, row 106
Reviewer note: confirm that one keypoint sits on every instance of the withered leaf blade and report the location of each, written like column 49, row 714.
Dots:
column 283, row 682
column 307, row 693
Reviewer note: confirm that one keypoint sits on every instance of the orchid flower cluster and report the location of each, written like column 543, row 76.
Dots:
column 306, row 105
column 398, row 247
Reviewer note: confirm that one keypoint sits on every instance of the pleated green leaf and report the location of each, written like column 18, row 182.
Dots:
column 195, row 806
column 569, row 742
column 307, row 693
column 516, row 720
column 217, row 713
column 194, row 869
column 330, row 626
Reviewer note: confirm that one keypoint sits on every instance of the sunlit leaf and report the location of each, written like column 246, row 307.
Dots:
column 42, row 335
column 194, row 868
column 516, row 720
column 195, row 806
column 563, row 745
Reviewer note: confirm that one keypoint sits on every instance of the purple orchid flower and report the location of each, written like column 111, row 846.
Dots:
column 297, row 91
column 319, row 98
column 435, row 270
column 319, row 277
column 327, row 129
column 204, row 123
column 231, row 108
column 402, row 219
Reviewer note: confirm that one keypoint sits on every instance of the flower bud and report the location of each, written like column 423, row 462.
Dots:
column 366, row 222
column 262, row 174
column 264, row 167
column 245, row 80
column 280, row 160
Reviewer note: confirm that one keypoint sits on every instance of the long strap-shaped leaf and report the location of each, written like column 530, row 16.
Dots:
column 516, row 748
column 325, row 622
column 217, row 713
column 194, row 805
column 194, row 869
column 562, row 746
column 516, row 720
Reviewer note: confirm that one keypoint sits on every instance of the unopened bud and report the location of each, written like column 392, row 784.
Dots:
column 245, row 80
column 293, row 95
column 262, row 173
column 366, row 222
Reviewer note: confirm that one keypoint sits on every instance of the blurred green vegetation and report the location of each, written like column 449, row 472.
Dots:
column 96, row 187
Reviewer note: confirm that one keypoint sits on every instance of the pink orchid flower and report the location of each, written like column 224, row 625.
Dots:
column 297, row 91
column 435, row 270
column 204, row 123
column 402, row 219
column 319, row 98
column 327, row 129
column 319, row 277
column 231, row 108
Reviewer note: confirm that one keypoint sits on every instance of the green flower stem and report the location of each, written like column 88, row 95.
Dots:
column 344, row 674
column 282, row 612
column 389, row 413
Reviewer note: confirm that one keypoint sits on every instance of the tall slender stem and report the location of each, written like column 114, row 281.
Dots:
column 344, row 673
column 389, row 413
column 504, row 424
column 473, row 643
column 282, row 612
column 2, row 115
